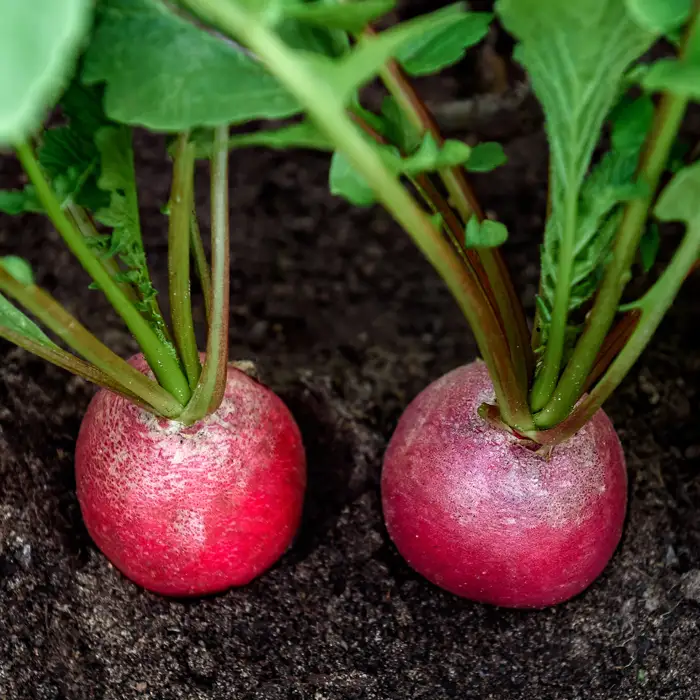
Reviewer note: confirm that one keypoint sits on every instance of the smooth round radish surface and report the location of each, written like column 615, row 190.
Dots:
column 487, row 519
column 192, row 510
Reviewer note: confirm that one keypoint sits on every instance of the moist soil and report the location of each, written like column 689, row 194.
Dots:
column 347, row 323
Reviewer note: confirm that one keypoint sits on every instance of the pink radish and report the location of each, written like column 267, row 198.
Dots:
column 187, row 511
column 486, row 518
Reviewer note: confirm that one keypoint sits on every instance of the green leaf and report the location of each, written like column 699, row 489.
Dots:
column 69, row 154
column 631, row 122
column 301, row 135
column 672, row 75
column 679, row 200
column 649, row 246
column 118, row 179
column 10, row 316
column 39, row 45
column 163, row 72
column 660, row 16
column 485, row 234
column 577, row 55
column 428, row 157
column 352, row 17
column 350, row 73
column 485, row 157
column 15, row 202
column 446, row 43
column 398, row 128
column 344, row 181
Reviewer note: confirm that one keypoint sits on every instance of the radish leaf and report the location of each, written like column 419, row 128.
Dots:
column 485, row 234
column 10, row 316
column 446, row 43
column 39, row 44
column 660, row 16
column 163, row 72
column 352, row 17
column 577, row 55
column 485, row 157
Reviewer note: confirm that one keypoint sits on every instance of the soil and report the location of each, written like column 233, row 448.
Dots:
column 347, row 323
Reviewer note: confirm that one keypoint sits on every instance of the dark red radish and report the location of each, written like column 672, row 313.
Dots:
column 490, row 520
column 193, row 510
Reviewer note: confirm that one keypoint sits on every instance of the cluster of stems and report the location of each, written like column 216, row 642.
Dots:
column 183, row 389
column 545, row 402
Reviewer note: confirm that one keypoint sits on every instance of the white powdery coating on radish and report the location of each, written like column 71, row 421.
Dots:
column 524, row 487
column 192, row 508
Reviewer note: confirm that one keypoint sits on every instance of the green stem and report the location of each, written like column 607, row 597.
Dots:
column 79, row 218
column 570, row 387
column 74, row 334
column 548, row 376
column 59, row 357
column 209, row 394
column 181, row 198
column 495, row 278
column 201, row 263
column 321, row 103
column 653, row 306
column 164, row 365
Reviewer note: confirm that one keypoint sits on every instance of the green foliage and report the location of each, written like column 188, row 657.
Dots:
column 10, row 316
column 649, row 246
column 39, row 44
column 163, row 72
column 446, row 42
column 659, row 16
column 679, row 200
column 676, row 76
column 577, row 55
column 485, row 234
column 24, row 201
column 485, row 157
column 352, row 17
column 427, row 157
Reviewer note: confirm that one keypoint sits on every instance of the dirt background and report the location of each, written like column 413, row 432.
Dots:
column 347, row 323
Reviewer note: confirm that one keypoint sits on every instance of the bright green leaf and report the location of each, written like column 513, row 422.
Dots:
column 301, row 135
column 649, row 246
column 398, row 128
column 485, row 234
column 631, row 122
column 679, row 200
column 577, row 55
column 24, row 201
column 660, row 16
column 353, row 16
column 163, row 72
column 446, row 43
column 344, row 181
column 485, row 157
column 371, row 53
column 10, row 316
column 39, row 44
column 679, row 77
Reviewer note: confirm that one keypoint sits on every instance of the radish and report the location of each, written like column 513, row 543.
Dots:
column 478, row 513
column 190, row 510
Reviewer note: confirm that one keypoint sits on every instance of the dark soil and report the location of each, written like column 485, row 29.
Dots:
column 347, row 323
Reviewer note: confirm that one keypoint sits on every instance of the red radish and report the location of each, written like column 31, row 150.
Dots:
column 192, row 510
column 486, row 518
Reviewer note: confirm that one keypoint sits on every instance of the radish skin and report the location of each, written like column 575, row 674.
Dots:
column 487, row 519
column 186, row 511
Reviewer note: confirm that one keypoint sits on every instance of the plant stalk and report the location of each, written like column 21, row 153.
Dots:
column 653, row 307
column 210, row 390
column 494, row 277
column 329, row 113
column 74, row 334
column 164, row 365
column 201, row 263
column 181, row 198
